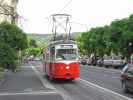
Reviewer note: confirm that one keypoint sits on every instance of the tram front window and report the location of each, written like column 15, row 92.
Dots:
column 66, row 54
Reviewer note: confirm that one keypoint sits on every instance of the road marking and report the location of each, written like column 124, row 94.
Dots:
column 43, row 81
column 115, row 77
column 28, row 93
column 103, row 89
column 47, row 84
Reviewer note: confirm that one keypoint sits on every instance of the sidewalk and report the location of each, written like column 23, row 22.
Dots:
column 2, row 77
column 25, row 85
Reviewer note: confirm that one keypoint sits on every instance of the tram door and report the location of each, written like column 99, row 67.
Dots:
column 47, row 61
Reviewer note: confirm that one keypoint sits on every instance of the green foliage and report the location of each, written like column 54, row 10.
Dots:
column 33, row 51
column 12, row 41
column 95, row 41
column 41, row 39
column 122, row 32
column 32, row 42
column 116, row 38
column 13, row 36
column 8, row 57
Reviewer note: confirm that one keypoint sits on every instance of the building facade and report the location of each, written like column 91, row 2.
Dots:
column 8, row 11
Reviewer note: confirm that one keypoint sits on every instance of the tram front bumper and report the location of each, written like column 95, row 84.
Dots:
column 65, row 76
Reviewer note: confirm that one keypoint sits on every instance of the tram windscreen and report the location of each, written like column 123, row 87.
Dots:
column 66, row 54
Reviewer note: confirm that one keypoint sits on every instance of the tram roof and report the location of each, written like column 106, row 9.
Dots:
column 62, row 42
column 61, row 15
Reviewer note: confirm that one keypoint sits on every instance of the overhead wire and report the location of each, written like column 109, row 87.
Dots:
column 65, row 6
column 80, row 24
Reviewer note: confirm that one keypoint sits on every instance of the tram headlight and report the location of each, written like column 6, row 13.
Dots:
column 67, row 67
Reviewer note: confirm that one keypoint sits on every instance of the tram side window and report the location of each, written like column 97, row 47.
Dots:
column 44, row 56
column 47, row 55
column 52, row 53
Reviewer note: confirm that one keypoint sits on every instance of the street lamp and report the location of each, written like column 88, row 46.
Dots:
column 130, row 51
column 130, row 44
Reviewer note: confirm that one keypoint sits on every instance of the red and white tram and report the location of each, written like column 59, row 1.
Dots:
column 60, row 60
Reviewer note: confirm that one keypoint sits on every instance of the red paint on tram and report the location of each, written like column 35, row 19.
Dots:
column 66, row 67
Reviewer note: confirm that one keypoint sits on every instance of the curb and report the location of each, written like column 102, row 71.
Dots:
column 3, row 78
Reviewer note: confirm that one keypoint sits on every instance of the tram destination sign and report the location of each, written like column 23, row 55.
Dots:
column 66, row 46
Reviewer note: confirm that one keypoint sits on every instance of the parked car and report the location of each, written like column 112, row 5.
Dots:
column 83, row 61
column 100, row 62
column 37, row 58
column 107, row 62
column 94, row 60
column 127, row 78
column 30, row 58
column 89, row 61
column 118, row 62
column 112, row 62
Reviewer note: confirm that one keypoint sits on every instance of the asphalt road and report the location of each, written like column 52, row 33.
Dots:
column 93, row 84
column 109, row 87
column 107, row 78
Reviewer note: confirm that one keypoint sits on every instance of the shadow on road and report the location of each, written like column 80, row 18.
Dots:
column 60, row 81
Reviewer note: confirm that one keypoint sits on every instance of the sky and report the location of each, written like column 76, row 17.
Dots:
column 35, row 14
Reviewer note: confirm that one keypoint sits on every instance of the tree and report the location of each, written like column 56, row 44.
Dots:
column 33, row 51
column 13, row 36
column 80, row 43
column 32, row 43
column 122, row 33
column 14, row 40
column 117, row 38
column 8, row 57
column 117, row 28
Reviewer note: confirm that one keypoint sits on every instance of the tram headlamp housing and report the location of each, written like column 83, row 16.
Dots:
column 67, row 67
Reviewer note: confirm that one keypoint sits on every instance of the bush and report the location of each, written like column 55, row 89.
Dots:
column 34, row 51
column 8, row 57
